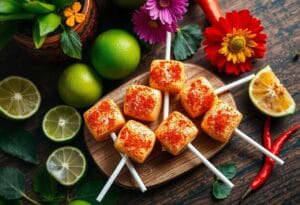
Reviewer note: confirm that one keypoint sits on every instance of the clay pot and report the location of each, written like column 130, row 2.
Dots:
column 51, row 50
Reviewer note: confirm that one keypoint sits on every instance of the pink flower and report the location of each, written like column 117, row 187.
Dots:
column 149, row 30
column 167, row 11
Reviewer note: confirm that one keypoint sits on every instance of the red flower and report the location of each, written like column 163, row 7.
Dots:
column 234, row 41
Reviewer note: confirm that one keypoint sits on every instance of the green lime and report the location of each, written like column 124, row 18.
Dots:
column 61, row 123
column 269, row 95
column 79, row 202
column 19, row 98
column 67, row 165
column 130, row 4
column 79, row 86
column 115, row 54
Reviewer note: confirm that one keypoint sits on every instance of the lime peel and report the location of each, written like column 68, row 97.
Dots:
column 67, row 165
column 61, row 123
column 20, row 98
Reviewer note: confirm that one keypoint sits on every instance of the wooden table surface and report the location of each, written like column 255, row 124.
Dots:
column 281, row 21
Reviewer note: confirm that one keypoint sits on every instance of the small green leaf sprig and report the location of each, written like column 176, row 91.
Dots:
column 221, row 190
column 186, row 42
column 12, row 189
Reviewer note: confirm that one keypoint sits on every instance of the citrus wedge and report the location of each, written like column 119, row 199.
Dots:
column 269, row 95
column 19, row 98
column 61, row 123
column 67, row 165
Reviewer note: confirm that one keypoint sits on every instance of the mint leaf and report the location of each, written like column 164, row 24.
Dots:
column 10, row 202
column 38, row 7
column 9, row 6
column 7, row 31
column 88, row 191
column 48, row 23
column 12, row 183
column 229, row 170
column 62, row 3
column 19, row 143
column 186, row 42
column 17, row 16
column 70, row 43
column 45, row 185
column 221, row 190
column 37, row 39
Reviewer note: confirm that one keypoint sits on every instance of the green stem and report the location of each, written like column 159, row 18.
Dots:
column 30, row 199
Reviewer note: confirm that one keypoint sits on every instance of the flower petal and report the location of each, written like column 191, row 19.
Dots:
column 76, row 7
column 70, row 21
column 79, row 17
column 68, row 12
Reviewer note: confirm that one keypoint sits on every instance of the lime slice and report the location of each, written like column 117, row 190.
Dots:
column 67, row 165
column 19, row 98
column 269, row 95
column 61, row 123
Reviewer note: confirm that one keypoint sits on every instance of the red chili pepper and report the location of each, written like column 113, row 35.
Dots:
column 211, row 10
column 269, row 164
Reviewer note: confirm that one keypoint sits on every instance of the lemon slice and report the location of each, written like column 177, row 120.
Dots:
column 67, row 165
column 61, row 123
column 19, row 98
column 269, row 95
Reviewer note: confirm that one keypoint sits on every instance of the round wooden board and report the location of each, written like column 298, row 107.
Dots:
column 160, row 167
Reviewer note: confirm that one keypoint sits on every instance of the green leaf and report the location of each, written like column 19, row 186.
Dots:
column 45, row 185
column 48, row 23
column 9, row 6
column 10, row 202
column 70, row 43
column 38, row 7
column 186, row 42
column 89, row 190
column 62, row 3
column 12, row 183
column 229, row 170
column 7, row 31
column 221, row 190
column 37, row 39
column 18, row 16
column 19, row 143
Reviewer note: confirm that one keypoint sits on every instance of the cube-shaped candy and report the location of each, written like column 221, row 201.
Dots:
column 103, row 118
column 197, row 97
column 136, row 140
column 221, row 121
column 176, row 132
column 142, row 102
column 167, row 75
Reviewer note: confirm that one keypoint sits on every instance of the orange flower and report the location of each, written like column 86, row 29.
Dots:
column 234, row 41
column 72, row 14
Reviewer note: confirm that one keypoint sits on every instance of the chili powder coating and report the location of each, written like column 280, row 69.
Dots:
column 197, row 97
column 136, row 140
column 221, row 121
column 167, row 75
column 176, row 132
column 142, row 103
column 103, row 118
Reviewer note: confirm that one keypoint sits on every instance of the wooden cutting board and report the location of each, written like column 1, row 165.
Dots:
column 160, row 167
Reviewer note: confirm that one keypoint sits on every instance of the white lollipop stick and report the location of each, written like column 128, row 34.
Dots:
column 167, row 57
column 111, row 179
column 131, row 168
column 233, row 84
column 210, row 166
column 258, row 146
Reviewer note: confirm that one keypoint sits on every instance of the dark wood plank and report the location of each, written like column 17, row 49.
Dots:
column 281, row 21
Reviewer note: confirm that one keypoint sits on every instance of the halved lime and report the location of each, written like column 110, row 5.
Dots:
column 269, row 95
column 67, row 165
column 61, row 123
column 19, row 98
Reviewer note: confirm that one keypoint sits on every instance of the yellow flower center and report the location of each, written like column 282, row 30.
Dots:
column 237, row 46
column 153, row 24
column 237, row 43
